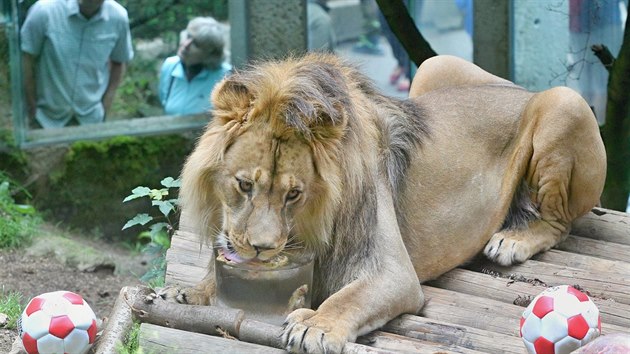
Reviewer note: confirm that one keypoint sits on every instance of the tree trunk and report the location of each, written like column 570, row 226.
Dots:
column 616, row 130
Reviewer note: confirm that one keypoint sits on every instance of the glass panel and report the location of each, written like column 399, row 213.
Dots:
column 156, row 33
column 360, row 33
column 552, row 45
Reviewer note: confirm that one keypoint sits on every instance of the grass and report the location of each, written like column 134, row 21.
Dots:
column 11, row 305
column 131, row 341
column 18, row 222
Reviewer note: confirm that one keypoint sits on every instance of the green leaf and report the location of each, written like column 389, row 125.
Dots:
column 164, row 206
column 138, row 192
column 157, row 194
column 170, row 182
column 140, row 219
column 25, row 209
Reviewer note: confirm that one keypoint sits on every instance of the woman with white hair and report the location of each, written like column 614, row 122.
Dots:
column 187, row 79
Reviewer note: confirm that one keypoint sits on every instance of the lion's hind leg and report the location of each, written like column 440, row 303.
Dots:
column 565, row 174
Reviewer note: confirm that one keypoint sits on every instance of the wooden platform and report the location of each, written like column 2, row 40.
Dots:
column 470, row 309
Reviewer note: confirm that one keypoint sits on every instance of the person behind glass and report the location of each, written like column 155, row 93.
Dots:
column 187, row 79
column 74, row 55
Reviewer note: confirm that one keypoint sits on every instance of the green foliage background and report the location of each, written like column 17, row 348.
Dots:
column 87, row 189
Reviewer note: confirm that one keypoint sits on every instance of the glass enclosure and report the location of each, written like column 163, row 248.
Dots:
column 550, row 45
column 553, row 40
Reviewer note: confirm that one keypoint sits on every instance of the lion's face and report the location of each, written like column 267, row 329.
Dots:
column 263, row 184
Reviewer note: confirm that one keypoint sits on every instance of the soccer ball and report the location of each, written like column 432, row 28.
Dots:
column 559, row 320
column 57, row 322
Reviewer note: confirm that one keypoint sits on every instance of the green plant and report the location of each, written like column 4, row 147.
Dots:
column 157, row 239
column 11, row 305
column 132, row 343
column 18, row 222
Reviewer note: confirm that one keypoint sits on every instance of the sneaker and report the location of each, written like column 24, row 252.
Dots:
column 403, row 85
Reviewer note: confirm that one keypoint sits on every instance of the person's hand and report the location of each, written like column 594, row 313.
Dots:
column 107, row 102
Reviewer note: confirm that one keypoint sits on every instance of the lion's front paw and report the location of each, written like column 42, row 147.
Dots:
column 307, row 331
column 506, row 249
column 191, row 296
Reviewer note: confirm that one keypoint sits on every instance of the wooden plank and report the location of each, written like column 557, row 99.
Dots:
column 481, row 313
column 605, row 225
column 471, row 311
column 163, row 340
column 519, row 293
column 183, row 275
column 603, row 285
column 601, row 249
column 435, row 331
column 400, row 344
column 585, row 262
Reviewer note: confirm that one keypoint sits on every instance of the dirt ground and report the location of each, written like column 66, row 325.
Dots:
column 32, row 273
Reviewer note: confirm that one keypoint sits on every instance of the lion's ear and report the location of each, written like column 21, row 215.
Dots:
column 230, row 100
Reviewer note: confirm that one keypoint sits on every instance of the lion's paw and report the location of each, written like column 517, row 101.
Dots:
column 190, row 296
column 505, row 249
column 307, row 331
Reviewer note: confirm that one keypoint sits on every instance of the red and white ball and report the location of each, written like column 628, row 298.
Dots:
column 559, row 320
column 57, row 322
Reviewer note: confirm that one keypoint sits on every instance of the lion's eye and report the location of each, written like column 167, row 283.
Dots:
column 293, row 194
column 245, row 186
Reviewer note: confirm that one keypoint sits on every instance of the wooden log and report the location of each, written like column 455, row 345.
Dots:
column 435, row 331
column 157, row 339
column 217, row 321
column 601, row 249
column 604, row 225
column 119, row 322
column 518, row 292
column 604, row 285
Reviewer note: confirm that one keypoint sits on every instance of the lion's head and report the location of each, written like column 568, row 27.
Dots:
column 267, row 174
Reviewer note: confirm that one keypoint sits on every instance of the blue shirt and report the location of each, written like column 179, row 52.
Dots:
column 73, row 55
column 180, row 96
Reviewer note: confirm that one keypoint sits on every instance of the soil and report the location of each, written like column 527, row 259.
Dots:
column 31, row 273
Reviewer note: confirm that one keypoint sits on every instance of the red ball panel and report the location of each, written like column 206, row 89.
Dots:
column 575, row 292
column 92, row 332
column 30, row 344
column 543, row 306
column 34, row 305
column 73, row 298
column 60, row 326
column 577, row 327
column 544, row 346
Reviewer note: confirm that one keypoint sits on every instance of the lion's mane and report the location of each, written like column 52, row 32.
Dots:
column 353, row 133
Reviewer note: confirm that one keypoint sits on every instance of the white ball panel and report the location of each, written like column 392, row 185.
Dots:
column 566, row 304
column 56, row 305
column 81, row 316
column 49, row 344
column 590, row 335
column 529, row 346
column 77, row 342
column 531, row 328
column 554, row 327
column 566, row 345
column 36, row 325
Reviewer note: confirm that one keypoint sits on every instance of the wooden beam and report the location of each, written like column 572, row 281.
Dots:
column 605, row 225
column 597, row 248
column 518, row 292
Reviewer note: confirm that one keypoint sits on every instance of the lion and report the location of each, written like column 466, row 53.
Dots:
column 386, row 193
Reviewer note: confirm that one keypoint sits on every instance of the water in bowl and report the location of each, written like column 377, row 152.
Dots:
column 265, row 293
